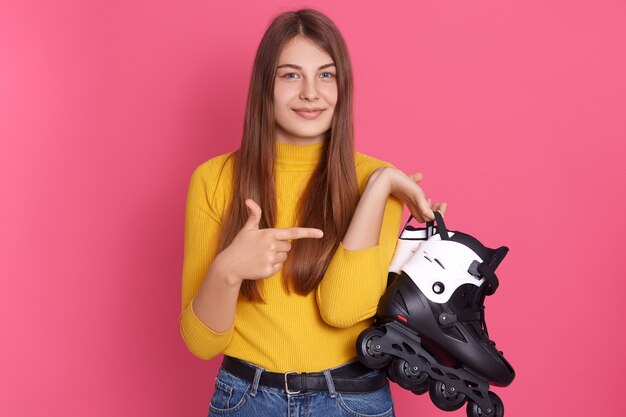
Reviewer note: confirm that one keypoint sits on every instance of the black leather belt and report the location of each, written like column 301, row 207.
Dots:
column 293, row 382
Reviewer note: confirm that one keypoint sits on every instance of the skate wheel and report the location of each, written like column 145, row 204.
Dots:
column 422, row 389
column 364, row 348
column 473, row 410
column 443, row 399
column 405, row 376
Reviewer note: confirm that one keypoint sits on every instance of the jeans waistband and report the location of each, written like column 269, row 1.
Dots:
column 344, row 378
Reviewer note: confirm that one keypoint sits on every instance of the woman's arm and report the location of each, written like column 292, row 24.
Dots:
column 211, row 281
column 216, row 300
column 253, row 254
column 208, row 296
column 364, row 228
column 356, row 277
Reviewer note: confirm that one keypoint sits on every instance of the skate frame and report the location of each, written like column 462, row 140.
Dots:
column 456, row 380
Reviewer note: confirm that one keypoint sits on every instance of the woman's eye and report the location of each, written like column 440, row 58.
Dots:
column 288, row 75
column 329, row 73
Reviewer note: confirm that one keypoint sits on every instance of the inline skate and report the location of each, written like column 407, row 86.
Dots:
column 430, row 329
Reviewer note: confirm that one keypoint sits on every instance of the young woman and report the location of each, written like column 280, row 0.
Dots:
column 288, row 240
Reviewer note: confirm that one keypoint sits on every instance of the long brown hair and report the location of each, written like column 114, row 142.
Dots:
column 332, row 193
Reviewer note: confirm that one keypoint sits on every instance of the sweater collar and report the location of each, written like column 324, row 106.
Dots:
column 298, row 157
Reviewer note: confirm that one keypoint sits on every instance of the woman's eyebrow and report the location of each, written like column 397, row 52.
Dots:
column 299, row 67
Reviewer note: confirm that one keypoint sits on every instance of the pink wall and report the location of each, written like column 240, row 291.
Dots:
column 514, row 113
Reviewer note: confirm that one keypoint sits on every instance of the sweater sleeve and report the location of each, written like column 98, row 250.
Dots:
column 200, row 245
column 356, row 279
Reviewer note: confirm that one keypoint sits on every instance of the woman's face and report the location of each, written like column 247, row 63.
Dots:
column 305, row 79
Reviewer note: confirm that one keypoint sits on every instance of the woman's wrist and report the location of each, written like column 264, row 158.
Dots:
column 221, row 273
column 215, row 302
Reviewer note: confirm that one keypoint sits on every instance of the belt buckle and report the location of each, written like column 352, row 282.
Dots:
column 286, row 386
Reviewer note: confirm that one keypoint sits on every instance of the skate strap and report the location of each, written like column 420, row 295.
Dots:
column 409, row 221
column 492, row 280
column 441, row 226
column 430, row 226
column 487, row 269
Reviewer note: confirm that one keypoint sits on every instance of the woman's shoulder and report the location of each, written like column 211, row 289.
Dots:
column 366, row 164
column 213, row 179
column 215, row 167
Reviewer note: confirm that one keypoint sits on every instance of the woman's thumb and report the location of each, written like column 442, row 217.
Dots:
column 254, row 215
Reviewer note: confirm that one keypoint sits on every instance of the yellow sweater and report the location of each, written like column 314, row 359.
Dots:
column 291, row 332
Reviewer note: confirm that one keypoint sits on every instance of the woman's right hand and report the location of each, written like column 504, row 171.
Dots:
column 260, row 253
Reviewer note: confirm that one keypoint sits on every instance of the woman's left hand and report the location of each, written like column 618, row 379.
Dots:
column 405, row 188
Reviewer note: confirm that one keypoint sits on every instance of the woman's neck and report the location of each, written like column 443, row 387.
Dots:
column 300, row 141
column 303, row 157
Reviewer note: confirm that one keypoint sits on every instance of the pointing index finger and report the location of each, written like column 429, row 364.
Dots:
column 290, row 233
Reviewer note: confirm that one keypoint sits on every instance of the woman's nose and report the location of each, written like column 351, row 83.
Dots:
column 309, row 89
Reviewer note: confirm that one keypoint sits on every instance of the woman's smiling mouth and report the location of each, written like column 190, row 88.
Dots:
column 309, row 114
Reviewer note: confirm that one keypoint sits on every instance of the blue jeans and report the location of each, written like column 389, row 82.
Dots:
column 234, row 396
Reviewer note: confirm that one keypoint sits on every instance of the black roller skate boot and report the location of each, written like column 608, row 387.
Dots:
column 430, row 329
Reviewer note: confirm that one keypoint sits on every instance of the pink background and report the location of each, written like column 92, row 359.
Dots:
column 515, row 113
